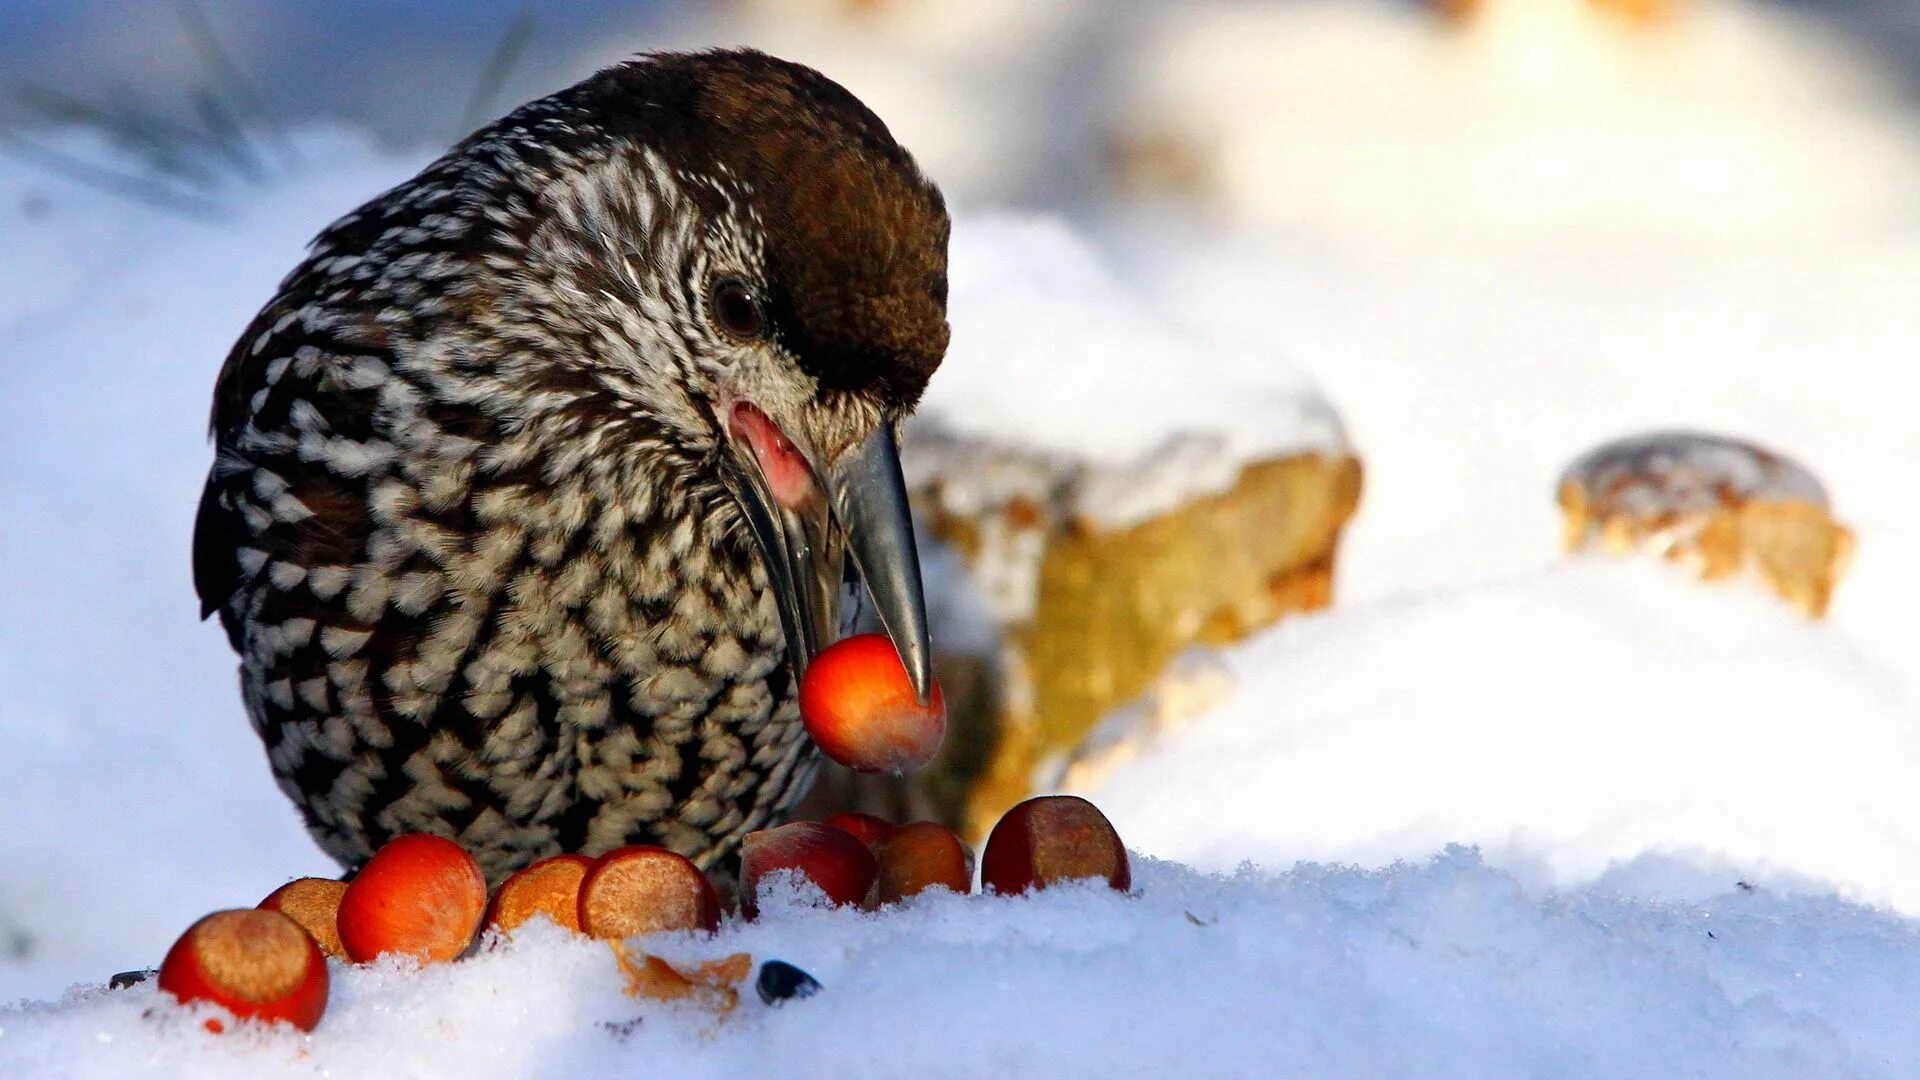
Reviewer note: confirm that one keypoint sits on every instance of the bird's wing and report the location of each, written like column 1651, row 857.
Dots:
column 286, row 391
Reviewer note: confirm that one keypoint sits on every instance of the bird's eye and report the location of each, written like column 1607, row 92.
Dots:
column 733, row 309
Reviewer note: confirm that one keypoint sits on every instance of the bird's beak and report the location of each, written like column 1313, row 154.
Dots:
column 806, row 527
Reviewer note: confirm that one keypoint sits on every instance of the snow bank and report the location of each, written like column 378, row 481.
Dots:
column 1102, row 392
column 1568, row 723
column 1446, row 969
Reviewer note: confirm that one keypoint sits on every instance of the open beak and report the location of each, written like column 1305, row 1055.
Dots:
column 808, row 521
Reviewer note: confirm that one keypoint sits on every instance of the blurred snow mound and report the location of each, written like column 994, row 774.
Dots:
column 1052, row 356
column 1565, row 722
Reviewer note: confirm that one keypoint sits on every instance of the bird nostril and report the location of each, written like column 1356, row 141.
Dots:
column 789, row 477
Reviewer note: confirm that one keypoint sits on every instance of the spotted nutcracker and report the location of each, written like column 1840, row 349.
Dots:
column 535, row 482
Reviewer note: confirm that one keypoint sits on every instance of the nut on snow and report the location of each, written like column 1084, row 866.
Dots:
column 421, row 895
column 1053, row 838
column 256, row 964
column 643, row 889
column 550, row 887
column 834, row 861
column 919, row 856
column 314, row 903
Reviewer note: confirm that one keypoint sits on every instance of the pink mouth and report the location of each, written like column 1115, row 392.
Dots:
column 789, row 478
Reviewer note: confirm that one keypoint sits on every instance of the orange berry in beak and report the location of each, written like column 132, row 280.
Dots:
column 836, row 862
column 550, row 887
column 859, row 706
column 314, row 903
column 420, row 895
column 919, row 856
column 258, row 965
column 644, row 889
column 1053, row 838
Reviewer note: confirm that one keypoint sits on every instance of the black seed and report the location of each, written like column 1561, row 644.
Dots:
column 780, row 981
column 130, row 978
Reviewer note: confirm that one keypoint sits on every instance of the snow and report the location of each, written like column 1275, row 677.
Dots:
column 1486, row 274
column 1565, row 722
column 1445, row 968
column 1142, row 412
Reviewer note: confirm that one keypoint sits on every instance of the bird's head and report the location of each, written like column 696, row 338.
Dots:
column 767, row 273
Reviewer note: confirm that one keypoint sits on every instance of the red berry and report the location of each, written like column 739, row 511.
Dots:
column 644, row 889
column 865, row 828
column 1053, row 838
column 420, row 895
column 919, row 856
column 836, row 862
column 859, row 706
column 314, row 903
column 550, row 887
column 256, row 964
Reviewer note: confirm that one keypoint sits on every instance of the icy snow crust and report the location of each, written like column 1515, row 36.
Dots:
column 1444, row 969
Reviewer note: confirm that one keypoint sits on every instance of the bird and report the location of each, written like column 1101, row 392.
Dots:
column 541, row 479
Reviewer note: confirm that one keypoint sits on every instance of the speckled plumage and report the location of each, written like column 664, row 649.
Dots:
column 465, row 526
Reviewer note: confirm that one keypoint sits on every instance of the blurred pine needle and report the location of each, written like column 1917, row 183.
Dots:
column 189, row 167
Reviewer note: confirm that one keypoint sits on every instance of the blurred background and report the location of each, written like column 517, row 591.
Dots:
column 1215, row 262
column 1431, row 104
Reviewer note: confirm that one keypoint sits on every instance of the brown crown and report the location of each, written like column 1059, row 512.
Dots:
column 855, row 235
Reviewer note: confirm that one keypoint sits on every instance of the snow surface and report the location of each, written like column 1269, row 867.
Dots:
column 1442, row 969
column 1622, row 744
column 1566, row 722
